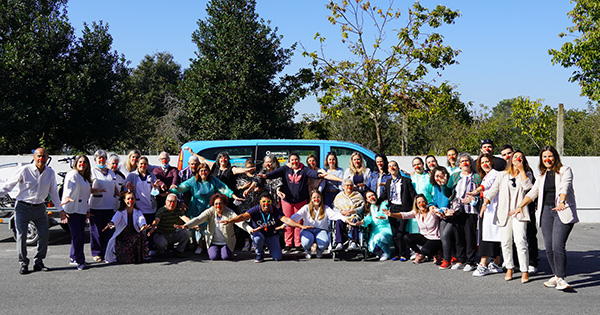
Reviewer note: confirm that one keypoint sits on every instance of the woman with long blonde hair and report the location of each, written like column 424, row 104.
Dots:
column 316, row 214
column 357, row 171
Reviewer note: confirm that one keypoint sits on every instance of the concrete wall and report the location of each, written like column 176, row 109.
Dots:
column 586, row 176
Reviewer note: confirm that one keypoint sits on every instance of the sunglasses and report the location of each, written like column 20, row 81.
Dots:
column 267, row 202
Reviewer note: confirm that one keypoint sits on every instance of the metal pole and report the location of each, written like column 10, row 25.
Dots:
column 560, row 129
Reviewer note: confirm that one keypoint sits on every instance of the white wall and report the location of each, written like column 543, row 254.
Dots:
column 586, row 176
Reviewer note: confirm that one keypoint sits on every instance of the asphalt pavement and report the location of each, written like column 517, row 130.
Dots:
column 293, row 286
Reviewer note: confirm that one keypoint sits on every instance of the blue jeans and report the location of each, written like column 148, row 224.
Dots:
column 310, row 236
column 272, row 243
column 37, row 214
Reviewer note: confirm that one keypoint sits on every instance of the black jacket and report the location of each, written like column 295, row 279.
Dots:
column 407, row 192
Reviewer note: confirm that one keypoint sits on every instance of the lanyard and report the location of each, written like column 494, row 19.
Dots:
column 265, row 221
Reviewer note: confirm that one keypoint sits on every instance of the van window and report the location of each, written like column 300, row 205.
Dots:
column 237, row 155
column 282, row 153
column 343, row 155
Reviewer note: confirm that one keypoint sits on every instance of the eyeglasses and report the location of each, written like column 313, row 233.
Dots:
column 267, row 202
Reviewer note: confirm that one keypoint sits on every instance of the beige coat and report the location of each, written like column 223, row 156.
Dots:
column 209, row 216
column 564, row 185
column 501, row 187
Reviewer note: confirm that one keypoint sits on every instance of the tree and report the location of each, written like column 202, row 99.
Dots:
column 583, row 53
column 35, row 42
column 230, row 90
column 93, row 96
column 387, row 73
column 155, row 109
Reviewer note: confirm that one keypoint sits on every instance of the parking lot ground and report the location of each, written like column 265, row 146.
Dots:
column 293, row 286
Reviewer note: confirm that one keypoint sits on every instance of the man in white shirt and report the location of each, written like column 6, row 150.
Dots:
column 34, row 183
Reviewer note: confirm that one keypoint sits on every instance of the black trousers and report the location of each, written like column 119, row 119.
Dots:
column 428, row 248
column 398, row 232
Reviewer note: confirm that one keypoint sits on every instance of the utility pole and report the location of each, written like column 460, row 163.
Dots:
column 560, row 129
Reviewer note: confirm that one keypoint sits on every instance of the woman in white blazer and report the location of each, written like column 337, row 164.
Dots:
column 220, row 238
column 128, row 243
column 511, row 187
column 556, row 212
column 75, row 199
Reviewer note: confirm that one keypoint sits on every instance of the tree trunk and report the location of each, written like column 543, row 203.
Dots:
column 378, row 134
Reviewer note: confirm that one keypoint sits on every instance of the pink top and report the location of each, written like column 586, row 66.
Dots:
column 428, row 226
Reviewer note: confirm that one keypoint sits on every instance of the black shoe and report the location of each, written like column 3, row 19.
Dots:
column 40, row 267
column 24, row 270
column 286, row 250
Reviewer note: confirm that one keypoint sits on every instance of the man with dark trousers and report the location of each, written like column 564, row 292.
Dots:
column 400, row 194
column 34, row 183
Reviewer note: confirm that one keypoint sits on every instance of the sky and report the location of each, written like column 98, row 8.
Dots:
column 504, row 44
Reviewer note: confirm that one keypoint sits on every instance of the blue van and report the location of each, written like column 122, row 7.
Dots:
column 240, row 150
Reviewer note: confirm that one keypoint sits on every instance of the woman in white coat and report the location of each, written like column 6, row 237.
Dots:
column 556, row 212
column 128, row 243
column 75, row 200
column 510, row 187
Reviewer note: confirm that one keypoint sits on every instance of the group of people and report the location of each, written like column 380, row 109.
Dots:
column 448, row 214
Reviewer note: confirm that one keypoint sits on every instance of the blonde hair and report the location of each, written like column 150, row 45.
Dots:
column 362, row 169
column 311, row 206
column 128, row 166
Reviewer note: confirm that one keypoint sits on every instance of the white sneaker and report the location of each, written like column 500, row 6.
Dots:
column 494, row 268
column 198, row 251
column 552, row 282
column 469, row 268
column 307, row 256
column 562, row 284
column 383, row 257
column 353, row 246
column 338, row 247
column 457, row 266
column 481, row 271
column 72, row 262
column 532, row 270
column 413, row 256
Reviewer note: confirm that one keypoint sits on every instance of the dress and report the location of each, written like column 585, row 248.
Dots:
column 130, row 245
column 121, row 220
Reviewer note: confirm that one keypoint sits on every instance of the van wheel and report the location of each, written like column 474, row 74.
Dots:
column 32, row 234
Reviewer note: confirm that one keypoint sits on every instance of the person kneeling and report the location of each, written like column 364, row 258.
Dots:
column 164, row 225
column 265, row 220
column 220, row 237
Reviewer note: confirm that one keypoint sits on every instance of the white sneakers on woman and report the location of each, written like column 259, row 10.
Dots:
column 558, row 283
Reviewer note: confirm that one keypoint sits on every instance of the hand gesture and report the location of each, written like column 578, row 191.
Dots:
column 238, row 198
column 180, row 227
column 68, row 199
column 64, row 217
column 144, row 227
column 280, row 194
column 516, row 211
column 306, row 227
column 130, row 186
column 473, row 193
column 483, row 209
column 110, row 225
column 152, row 230
column 561, row 206
column 262, row 175
column 224, row 222
column 449, row 212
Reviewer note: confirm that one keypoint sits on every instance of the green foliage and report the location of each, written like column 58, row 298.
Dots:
column 93, row 97
column 386, row 73
column 56, row 90
column 534, row 120
column 230, row 90
column 35, row 42
column 155, row 108
column 583, row 53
